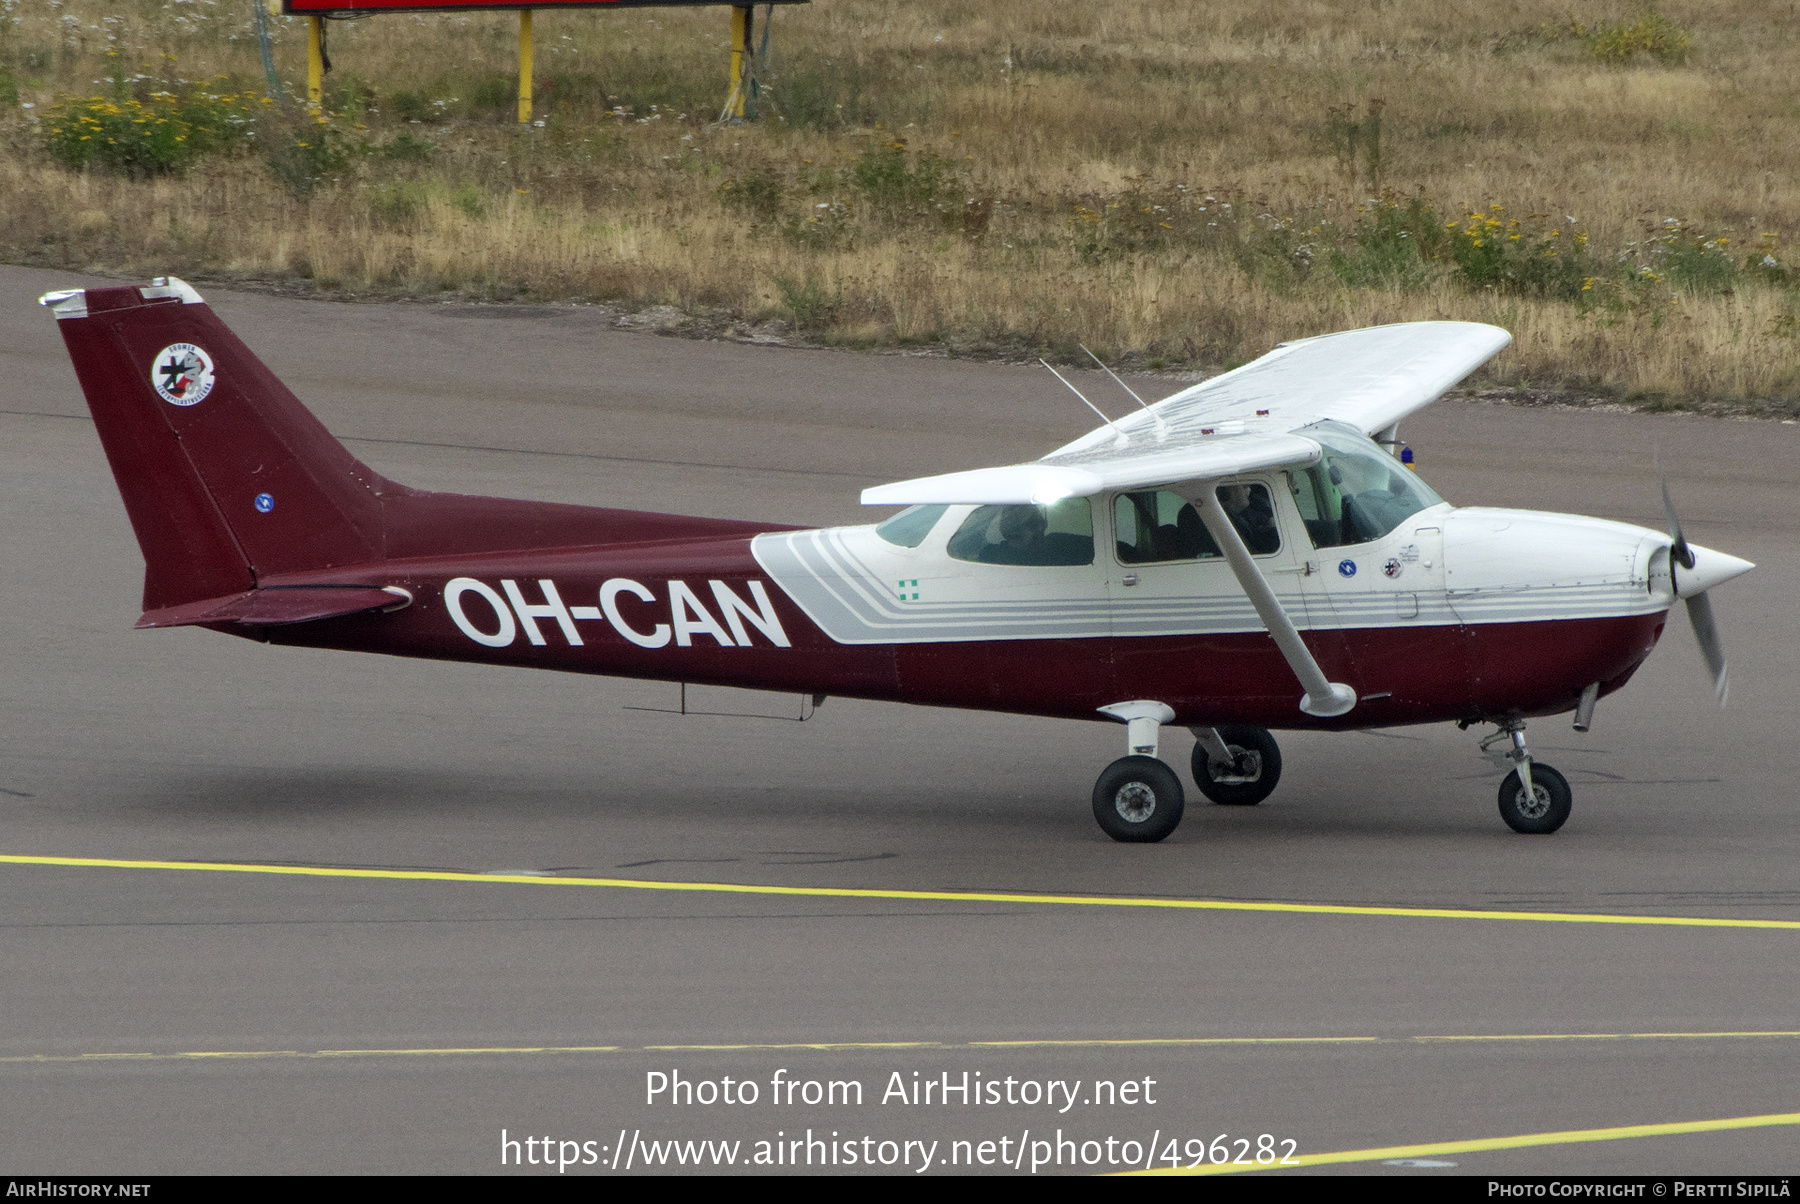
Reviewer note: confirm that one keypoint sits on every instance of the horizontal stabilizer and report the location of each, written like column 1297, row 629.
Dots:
column 279, row 606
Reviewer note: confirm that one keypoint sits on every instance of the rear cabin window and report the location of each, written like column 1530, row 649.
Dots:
column 909, row 528
column 1061, row 533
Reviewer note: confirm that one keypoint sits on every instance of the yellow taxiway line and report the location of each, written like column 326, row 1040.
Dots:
column 1482, row 1144
column 935, row 896
column 878, row 1046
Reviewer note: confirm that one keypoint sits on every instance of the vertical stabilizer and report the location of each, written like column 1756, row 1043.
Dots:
column 225, row 475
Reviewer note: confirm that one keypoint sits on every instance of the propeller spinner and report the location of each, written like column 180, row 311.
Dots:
column 1692, row 571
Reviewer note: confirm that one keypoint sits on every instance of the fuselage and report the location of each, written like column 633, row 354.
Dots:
column 1206, row 555
column 1453, row 614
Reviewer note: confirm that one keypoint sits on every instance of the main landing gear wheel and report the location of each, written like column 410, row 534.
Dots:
column 1252, row 779
column 1138, row 800
column 1546, row 811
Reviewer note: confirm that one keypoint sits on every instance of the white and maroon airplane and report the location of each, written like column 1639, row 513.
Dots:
column 1249, row 553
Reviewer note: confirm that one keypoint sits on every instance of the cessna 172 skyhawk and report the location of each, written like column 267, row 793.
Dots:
column 1241, row 555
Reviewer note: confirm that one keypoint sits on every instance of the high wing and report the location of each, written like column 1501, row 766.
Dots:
column 1246, row 419
column 1251, row 418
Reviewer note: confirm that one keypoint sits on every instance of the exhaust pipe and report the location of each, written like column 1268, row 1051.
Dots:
column 1584, row 710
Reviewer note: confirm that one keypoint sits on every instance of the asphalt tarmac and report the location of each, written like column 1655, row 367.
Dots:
column 172, row 1019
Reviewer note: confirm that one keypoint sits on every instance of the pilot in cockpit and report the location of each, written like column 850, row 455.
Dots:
column 1252, row 512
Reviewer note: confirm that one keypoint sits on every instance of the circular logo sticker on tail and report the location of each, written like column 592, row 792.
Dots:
column 182, row 374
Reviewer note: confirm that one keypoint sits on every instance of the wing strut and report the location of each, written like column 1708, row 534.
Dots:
column 1323, row 698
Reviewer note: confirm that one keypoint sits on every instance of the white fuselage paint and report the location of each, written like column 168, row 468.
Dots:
column 1442, row 566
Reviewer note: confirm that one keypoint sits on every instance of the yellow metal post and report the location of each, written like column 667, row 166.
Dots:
column 524, row 66
column 740, row 46
column 315, row 61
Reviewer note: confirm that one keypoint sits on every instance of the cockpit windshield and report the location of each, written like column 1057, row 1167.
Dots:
column 1356, row 492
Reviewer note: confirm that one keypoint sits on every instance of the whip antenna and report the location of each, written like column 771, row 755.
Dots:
column 1123, row 437
column 1162, row 428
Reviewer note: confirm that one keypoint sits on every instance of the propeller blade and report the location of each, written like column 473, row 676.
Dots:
column 1679, row 553
column 1706, row 631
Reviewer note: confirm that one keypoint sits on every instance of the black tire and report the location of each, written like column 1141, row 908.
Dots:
column 1547, row 813
column 1138, row 800
column 1262, row 781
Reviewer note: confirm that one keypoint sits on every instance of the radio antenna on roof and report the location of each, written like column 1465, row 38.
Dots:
column 1162, row 428
column 1123, row 437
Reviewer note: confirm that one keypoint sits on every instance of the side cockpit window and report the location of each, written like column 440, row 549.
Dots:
column 1057, row 534
column 1151, row 526
column 1154, row 525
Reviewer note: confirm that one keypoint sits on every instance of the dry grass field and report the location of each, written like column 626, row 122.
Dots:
column 1174, row 184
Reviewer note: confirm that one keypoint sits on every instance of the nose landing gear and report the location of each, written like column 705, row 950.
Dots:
column 1534, row 798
